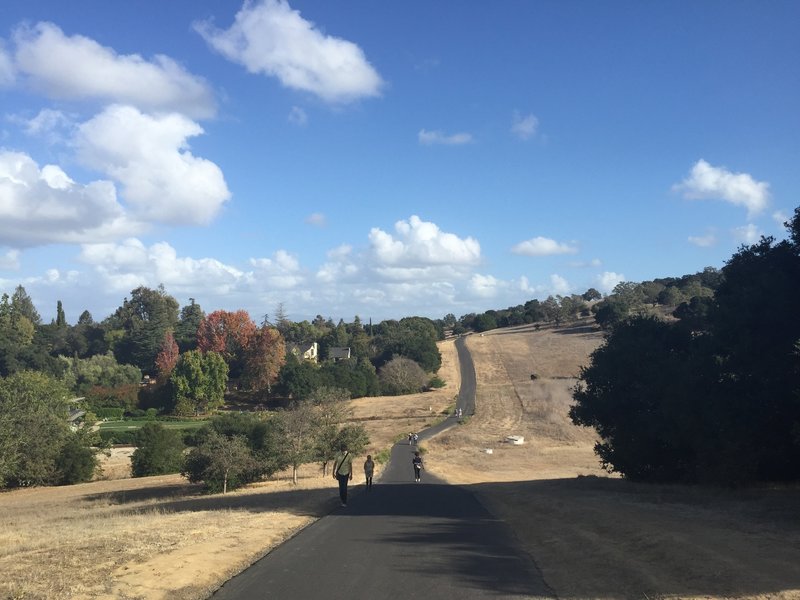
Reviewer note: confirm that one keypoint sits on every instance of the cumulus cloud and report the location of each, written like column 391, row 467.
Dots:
column 7, row 75
column 78, row 68
column 271, row 38
column 708, row 182
column 419, row 243
column 484, row 286
column 608, row 280
column 281, row 271
column 53, row 126
column 149, row 156
column 429, row 138
column 123, row 266
column 542, row 246
column 559, row 285
column 703, row 241
column 42, row 206
column 524, row 126
column 747, row 234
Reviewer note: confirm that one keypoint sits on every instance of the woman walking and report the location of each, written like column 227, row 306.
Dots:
column 418, row 465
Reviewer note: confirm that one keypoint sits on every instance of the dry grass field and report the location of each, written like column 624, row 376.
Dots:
column 159, row 537
column 592, row 535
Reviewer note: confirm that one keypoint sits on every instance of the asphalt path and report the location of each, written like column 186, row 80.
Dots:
column 401, row 540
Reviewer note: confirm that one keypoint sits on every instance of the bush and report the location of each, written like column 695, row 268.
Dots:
column 119, row 438
column 76, row 463
column 402, row 376
column 159, row 451
column 436, row 382
column 110, row 413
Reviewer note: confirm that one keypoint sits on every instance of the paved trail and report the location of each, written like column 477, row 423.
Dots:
column 401, row 540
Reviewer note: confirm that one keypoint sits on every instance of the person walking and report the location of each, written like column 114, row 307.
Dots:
column 418, row 465
column 343, row 471
column 369, row 469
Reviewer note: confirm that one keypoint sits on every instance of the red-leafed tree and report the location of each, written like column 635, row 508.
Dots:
column 167, row 356
column 229, row 334
column 264, row 357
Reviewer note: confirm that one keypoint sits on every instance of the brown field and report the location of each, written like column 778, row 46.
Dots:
column 159, row 537
column 591, row 534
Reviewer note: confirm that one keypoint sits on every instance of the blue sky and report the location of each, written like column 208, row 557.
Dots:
column 387, row 159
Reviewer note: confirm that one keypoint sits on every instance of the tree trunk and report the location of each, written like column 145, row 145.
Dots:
column 294, row 474
column 225, row 482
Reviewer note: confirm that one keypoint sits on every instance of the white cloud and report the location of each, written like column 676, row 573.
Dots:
column 608, row 280
column 298, row 116
column 10, row 261
column 780, row 217
column 317, row 220
column 582, row 264
column 420, row 243
column 524, row 127
column 430, row 138
column 281, row 271
column 747, row 234
column 7, row 74
column 707, row 182
column 78, row 68
column 559, row 285
column 149, row 156
column 542, row 246
column 703, row 241
column 126, row 265
column 485, row 286
column 54, row 126
column 269, row 37
column 42, row 206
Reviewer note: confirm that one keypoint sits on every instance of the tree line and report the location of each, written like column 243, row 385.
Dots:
column 712, row 395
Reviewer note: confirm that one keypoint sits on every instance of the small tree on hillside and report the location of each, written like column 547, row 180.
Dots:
column 331, row 410
column 219, row 462
column 300, row 430
column 159, row 451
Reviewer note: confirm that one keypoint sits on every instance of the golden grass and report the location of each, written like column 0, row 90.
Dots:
column 159, row 537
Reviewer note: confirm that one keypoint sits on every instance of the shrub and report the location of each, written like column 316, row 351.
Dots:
column 110, row 413
column 159, row 451
column 402, row 376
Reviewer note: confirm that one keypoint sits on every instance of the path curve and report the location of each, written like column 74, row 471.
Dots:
column 401, row 540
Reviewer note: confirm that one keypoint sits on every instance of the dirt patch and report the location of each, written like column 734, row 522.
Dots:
column 594, row 535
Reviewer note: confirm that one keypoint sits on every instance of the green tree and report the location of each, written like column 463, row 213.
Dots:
column 34, row 430
column 142, row 321
column 220, row 462
column 300, row 429
column 159, row 451
column 61, row 318
column 331, row 410
column 484, row 322
column 186, row 330
column 297, row 378
column 198, row 382
column 640, row 392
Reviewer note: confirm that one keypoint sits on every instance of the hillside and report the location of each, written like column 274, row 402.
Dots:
column 595, row 535
column 592, row 535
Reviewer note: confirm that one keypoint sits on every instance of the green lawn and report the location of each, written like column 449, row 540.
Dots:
column 139, row 423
